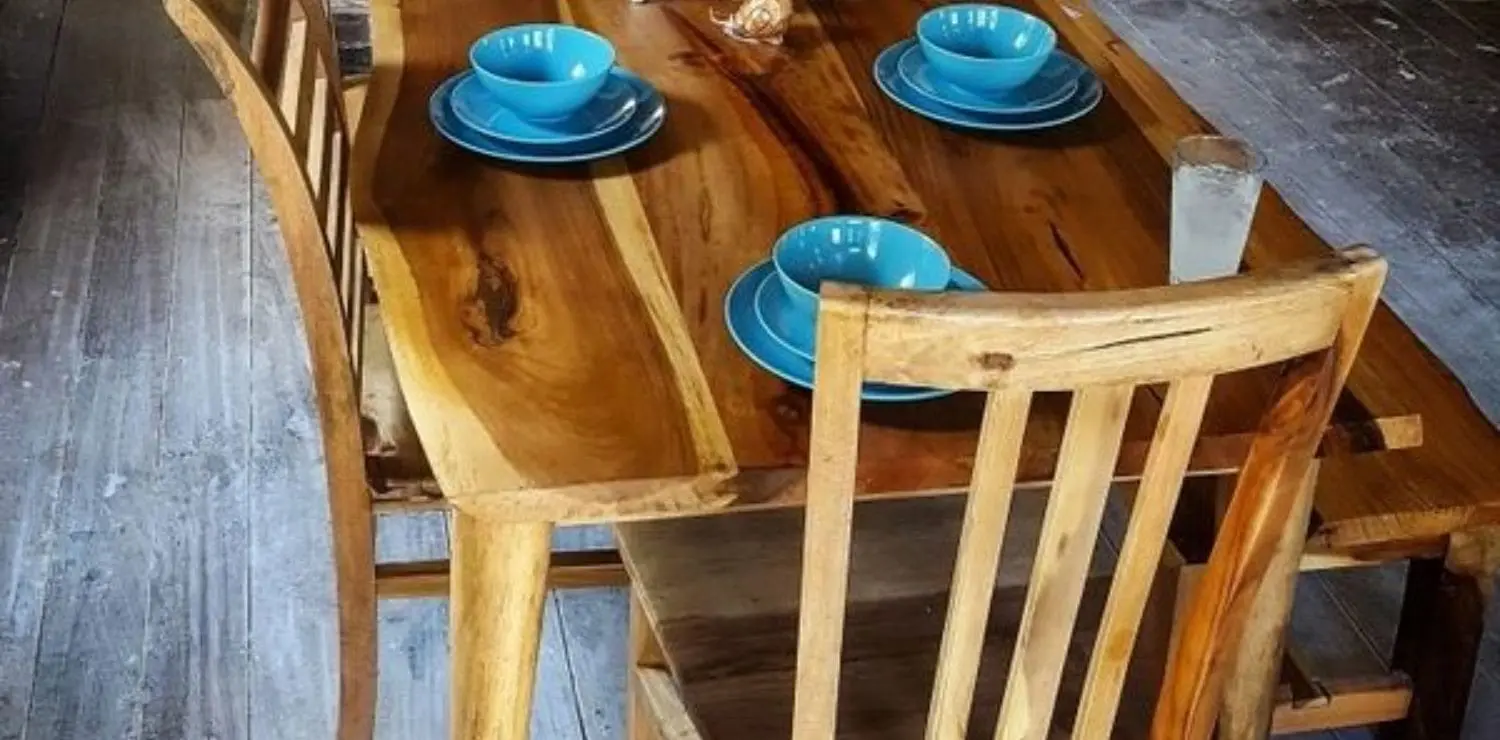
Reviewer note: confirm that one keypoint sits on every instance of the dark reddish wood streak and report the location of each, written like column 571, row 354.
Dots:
column 1066, row 251
column 1264, row 497
column 819, row 172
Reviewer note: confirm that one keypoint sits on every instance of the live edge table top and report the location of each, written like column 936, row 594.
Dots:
column 559, row 333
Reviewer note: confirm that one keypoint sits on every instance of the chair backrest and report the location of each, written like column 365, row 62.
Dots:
column 287, row 93
column 1101, row 347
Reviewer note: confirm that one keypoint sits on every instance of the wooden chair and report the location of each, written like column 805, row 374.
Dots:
column 286, row 94
column 724, row 646
column 287, row 91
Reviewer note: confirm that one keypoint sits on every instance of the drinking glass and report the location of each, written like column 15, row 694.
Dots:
column 1215, row 183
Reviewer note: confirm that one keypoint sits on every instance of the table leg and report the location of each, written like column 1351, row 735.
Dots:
column 498, row 587
column 1250, row 689
column 1438, row 637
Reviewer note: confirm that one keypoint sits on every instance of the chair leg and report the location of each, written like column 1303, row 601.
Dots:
column 353, row 537
column 498, row 587
column 645, row 651
column 1250, row 689
column 1439, row 635
column 354, row 566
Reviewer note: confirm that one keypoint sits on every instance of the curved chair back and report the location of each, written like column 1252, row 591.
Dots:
column 1104, row 348
column 287, row 93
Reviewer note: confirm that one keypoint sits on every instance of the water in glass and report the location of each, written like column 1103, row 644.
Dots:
column 1215, row 184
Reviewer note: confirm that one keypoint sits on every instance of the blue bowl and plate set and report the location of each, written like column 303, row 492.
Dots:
column 987, row 68
column 546, row 93
column 552, row 94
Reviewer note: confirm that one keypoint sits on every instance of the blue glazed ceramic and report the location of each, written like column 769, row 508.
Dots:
column 791, row 329
column 542, row 71
column 1090, row 91
column 650, row 113
column 775, row 358
column 1052, row 86
column 862, row 250
column 986, row 49
column 605, row 112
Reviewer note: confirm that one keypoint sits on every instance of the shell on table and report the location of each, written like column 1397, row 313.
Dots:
column 761, row 21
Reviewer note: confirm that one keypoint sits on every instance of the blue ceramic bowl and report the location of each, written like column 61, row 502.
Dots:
column 862, row 250
column 986, row 49
column 542, row 71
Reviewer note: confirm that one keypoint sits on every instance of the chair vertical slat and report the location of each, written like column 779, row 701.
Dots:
column 357, row 337
column 1265, row 496
column 979, row 545
column 349, row 279
column 321, row 141
column 325, row 48
column 359, row 296
column 354, row 294
column 829, row 515
column 295, row 93
column 269, row 40
column 1262, row 647
column 320, row 150
column 333, row 201
column 1085, row 465
column 1140, row 555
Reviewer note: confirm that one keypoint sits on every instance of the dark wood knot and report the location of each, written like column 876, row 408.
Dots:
column 995, row 361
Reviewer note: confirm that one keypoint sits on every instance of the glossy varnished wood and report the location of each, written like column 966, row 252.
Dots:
column 526, row 306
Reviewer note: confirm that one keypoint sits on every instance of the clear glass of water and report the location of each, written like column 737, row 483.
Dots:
column 1215, row 184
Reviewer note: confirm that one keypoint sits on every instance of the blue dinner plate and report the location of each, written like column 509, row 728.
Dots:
column 650, row 113
column 888, row 78
column 610, row 109
column 789, row 328
column 776, row 358
column 1053, row 85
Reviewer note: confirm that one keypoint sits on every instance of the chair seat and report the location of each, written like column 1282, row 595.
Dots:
column 721, row 594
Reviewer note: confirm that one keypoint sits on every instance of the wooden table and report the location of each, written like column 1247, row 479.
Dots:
column 559, row 333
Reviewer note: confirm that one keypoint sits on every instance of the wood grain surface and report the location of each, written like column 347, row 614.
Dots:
column 559, row 332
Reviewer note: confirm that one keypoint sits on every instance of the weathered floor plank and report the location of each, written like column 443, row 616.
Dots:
column 39, row 324
column 89, row 667
column 595, row 627
column 197, row 634
column 293, row 644
column 28, row 41
column 40, row 352
column 413, row 686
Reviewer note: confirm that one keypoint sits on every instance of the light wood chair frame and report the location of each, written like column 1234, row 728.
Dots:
column 297, row 114
column 1102, row 347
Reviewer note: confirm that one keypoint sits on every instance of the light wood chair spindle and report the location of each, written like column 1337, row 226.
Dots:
column 1103, row 348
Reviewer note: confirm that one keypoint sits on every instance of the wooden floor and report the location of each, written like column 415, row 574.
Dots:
column 163, row 569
